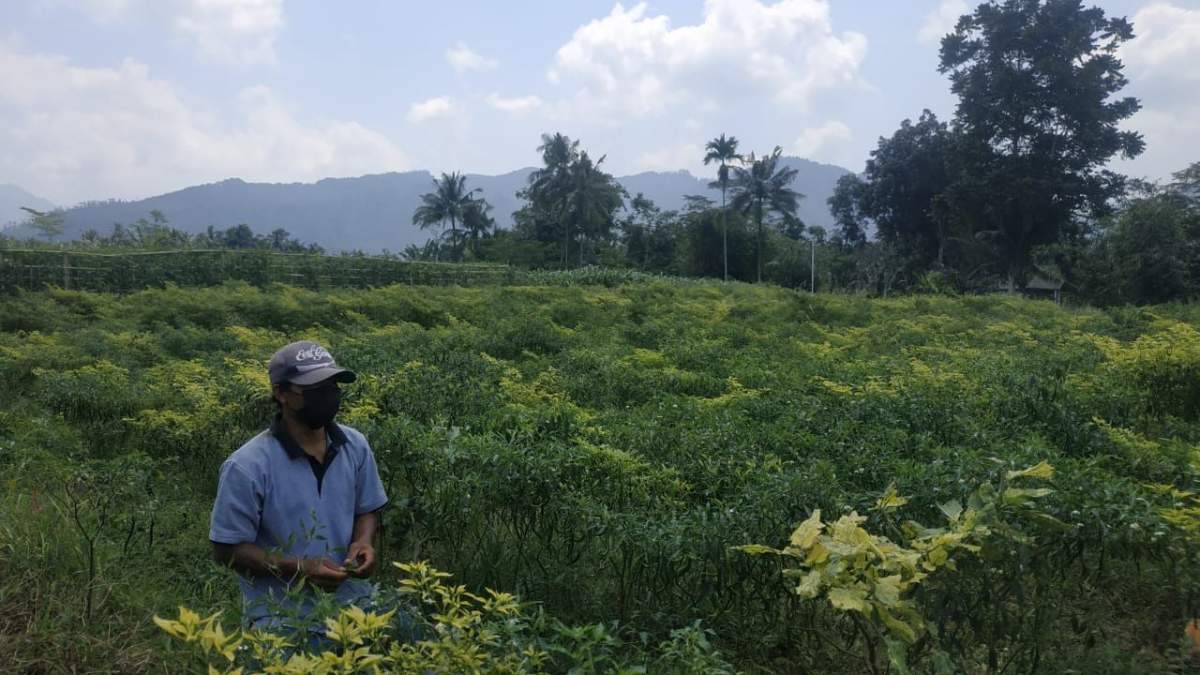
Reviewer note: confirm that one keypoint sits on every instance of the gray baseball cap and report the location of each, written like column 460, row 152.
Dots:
column 305, row 363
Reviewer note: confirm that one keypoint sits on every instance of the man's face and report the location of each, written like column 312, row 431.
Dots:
column 291, row 396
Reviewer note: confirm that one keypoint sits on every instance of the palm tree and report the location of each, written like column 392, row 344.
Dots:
column 550, row 185
column 448, row 201
column 763, row 189
column 723, row 151
column 476, row 222
column 592, row 198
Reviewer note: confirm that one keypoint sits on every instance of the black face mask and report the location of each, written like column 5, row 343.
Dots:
column 321, row 405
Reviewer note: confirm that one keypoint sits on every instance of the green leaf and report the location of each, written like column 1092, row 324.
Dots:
column 952, row 509
column 1018, row 496
column 1047, row 520
column 898, row 627
column 898, row 656
column 756, row 549
column 887, row 590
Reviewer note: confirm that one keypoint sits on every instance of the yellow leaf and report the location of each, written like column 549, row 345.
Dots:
column 817, row 554
column 1018, row 496
column 810, row 585
column 806, row 534
column 187, row 617
column 891, row 499
column 173, row 628
column 849, row 599
column 1039, row 470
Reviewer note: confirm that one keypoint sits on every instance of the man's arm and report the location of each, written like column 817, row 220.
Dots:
column 251, row 559
column 360, row 556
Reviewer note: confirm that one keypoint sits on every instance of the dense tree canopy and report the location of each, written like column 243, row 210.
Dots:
column 1038, row 121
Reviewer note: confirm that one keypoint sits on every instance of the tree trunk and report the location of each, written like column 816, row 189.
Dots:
column 758, row 221
column 566, row 243
column 453, row 236
column 724, row 232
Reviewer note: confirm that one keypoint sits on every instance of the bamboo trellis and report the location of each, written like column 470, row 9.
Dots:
column 33, row 269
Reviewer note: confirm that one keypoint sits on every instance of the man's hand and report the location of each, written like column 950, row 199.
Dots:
column 322, row 573
column 360, row 559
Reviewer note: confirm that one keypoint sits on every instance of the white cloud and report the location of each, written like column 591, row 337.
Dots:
column 516, row 107
column 629, row 63
column 1161, row 66
column 71, row 133
column 814, row 142
column 432, row 109
column 462, row 59
column 1166, row 36
column 689, row 157
column 105, row 10
column 234, row 32
column 941, row 21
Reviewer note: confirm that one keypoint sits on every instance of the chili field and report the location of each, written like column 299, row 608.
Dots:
column 1003, row 485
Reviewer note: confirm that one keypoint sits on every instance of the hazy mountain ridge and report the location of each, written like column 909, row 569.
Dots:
column 374, row 212
column 12, row 198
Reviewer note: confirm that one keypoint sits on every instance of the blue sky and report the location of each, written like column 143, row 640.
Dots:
column 130, row 98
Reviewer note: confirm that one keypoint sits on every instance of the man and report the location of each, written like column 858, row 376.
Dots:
column 299, row 501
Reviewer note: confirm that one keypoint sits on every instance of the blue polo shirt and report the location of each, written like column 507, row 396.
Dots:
column 275, row 495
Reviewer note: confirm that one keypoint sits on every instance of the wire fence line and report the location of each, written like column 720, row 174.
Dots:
column 34, row 269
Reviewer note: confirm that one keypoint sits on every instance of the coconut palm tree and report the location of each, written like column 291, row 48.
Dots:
column 477, row 223
column 762, row 189
column 447, row 202
column 550, row 185
column 723, row 151
column 592, row 201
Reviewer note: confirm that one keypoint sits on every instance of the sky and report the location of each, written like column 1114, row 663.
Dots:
column 127, row 99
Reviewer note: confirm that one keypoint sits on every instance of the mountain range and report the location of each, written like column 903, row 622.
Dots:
column 374, row 212
column 12, row 198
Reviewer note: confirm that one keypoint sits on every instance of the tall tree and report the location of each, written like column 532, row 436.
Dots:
column 240, row 236
column 723, row 151
column 762, row 189
column 278, row 239
column 1037, row 121
column 637, row 229
column 570, row 194
column 477, row 223
column 447, row 202
column 846, row 204
column 592, row 200
column 549, row 186
column 906, row 179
